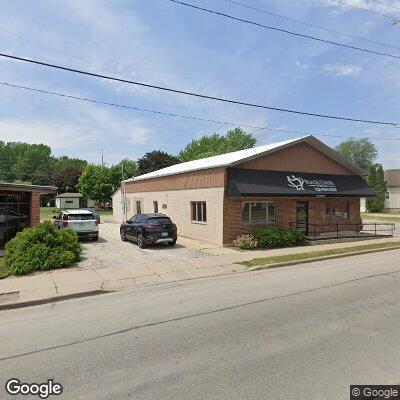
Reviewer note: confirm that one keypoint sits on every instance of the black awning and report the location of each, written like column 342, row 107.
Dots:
column 251, row 182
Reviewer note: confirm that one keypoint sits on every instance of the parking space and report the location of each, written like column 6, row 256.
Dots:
column 187, row 255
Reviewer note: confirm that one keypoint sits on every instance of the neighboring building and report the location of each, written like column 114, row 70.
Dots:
column 299, row 183
column 392, row 181
column 19, row 207
column 118, row 206
column 72, row 200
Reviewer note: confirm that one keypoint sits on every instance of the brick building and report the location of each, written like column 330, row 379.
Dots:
column 19, row 207
column 300, row 183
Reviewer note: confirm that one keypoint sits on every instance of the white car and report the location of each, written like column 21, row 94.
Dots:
column 83, row 222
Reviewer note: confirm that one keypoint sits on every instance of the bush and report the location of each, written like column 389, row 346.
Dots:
column 246, row 242
column 41, row 248
column 278, row 237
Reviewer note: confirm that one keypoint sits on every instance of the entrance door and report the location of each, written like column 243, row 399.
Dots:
column 302, row 216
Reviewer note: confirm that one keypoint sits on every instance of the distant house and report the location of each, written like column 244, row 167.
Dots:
column 72, row 200
column 392, row 200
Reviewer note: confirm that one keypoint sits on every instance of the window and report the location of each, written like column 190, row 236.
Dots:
column 262, row 212
column 138, row 207
column 387, row 195
column 69, row 202
column 199, row 211
column 335, row 210
column 155, row 206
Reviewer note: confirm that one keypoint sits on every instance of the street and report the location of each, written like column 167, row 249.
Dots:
column 300, row 332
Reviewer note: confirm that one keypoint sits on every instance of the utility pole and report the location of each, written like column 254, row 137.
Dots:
column 123, row 192
column 102, row 157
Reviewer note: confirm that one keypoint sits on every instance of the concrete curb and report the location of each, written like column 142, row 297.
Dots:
column 310, row 260
column 29, row 303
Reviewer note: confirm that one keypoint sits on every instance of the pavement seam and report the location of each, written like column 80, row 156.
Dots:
column 54, row 282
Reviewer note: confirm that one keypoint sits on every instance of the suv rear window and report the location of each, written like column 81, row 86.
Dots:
column 159, row 221
column 80, row 217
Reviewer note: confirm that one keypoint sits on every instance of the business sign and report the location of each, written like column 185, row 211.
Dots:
column 318, row 185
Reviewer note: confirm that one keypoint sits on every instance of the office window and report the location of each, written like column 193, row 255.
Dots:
column 261, row 212
column 198, row 211
column 336, row 210
column 138, row 207
column 155, row 206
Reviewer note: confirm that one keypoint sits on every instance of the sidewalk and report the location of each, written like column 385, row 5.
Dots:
column 93, row 277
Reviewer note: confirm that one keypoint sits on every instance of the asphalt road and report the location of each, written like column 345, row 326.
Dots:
column 301, row 332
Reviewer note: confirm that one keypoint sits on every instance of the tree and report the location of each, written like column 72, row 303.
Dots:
column 95, row 183
column 154, row 160
column 125, row 169
column 376, row 180
column 361, row 152
column 25, row 162
column 66, row 173
column 213, row 145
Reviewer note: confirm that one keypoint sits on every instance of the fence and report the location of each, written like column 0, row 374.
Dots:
column 344, row 230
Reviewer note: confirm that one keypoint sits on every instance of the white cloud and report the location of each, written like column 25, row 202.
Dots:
column 302, row 65
column 343, row 69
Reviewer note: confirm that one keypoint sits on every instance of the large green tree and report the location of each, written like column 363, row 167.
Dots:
column 154, row 160
column 25, row 162
column 212, row 145
column 361, row 152
column 95, row 183
column 66, row 173
column 376, row 180
column 125, row 169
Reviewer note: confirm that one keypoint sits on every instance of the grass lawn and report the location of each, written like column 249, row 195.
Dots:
column 315, row 254
column 3, row 269
column 395, row 217
column 48, row 212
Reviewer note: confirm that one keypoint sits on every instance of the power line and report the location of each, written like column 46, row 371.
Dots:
column 42, row 91
column 272, row 28
column 362, row 9
column 386, row 4
column 311, row 25
column 202, row 96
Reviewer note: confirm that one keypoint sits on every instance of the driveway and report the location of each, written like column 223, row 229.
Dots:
column 110, row 257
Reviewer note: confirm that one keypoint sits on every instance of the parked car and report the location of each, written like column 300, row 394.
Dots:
column 148, row 229
column 83, row 222
column 94, row 212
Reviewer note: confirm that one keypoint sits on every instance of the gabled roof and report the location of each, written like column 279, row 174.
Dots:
column 392, row 177
column 69, row 195
column 241, row 156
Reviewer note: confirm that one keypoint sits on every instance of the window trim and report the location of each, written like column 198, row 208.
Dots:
column 194, row 206
column 266, row 222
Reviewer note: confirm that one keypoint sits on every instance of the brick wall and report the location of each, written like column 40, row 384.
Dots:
column 285, row 213
column 35, row 209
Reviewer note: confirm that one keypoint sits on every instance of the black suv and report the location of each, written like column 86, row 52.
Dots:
column 149, row 229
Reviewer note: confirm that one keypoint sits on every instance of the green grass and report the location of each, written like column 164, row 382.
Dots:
column 47, row 213
column 316, row 254
column 3, row 269
column 381, row 216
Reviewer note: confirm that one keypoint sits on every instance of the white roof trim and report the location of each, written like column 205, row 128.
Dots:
column 238, row 157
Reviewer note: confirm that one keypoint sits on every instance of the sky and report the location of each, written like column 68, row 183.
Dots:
column 165, row 44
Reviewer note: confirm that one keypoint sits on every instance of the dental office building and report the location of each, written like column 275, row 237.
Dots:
column 300, row 183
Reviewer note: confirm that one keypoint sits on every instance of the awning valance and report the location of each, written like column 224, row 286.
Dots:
column 251, row 182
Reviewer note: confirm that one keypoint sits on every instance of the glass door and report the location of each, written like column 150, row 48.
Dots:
column 302, row 216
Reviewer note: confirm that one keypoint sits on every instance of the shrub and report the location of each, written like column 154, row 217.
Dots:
column 278, row 237
column 246, row 242
column 41, row 248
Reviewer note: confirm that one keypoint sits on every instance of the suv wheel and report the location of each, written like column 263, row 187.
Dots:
column 122, row 234
column 172, row 243
column 140, row 241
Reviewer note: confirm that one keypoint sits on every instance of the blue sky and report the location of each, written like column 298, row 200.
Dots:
column 162, row 43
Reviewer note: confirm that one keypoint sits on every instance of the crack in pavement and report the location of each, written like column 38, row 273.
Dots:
column 177, row 319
